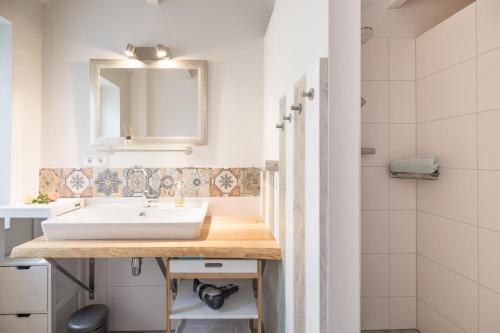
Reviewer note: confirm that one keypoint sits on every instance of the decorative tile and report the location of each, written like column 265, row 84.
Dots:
column 134, row 181
column 76, row 183
column 50, row 180
column 250, row 182
column 108, row 182
column 164, row 182
column 159, row 182
column 225, row 182
column 196, row 182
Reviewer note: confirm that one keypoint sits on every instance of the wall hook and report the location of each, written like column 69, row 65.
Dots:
column 309, row 94
column 280, row 126
column 289, row 118
column 296, row 107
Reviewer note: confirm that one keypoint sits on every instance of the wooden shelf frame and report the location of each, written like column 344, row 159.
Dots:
column 230, row 276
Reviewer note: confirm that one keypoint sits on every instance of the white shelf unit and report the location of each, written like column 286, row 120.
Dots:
column 42, row 311
column 26, row 291
column 246, row 304
column 240, row 305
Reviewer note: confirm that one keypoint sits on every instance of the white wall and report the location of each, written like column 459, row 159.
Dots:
column 412, row 19
column 458, row 120
column 296, row 39
column 344, row 172
column 20, row 113
column 26, row 20
column 227, row 33
column 388, row 215
column 5, row 109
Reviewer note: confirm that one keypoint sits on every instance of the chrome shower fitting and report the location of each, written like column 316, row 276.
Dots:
column 136, row 265
column 363, row 101
column 366, row 35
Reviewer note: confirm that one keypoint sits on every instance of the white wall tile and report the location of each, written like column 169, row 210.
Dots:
column 375, row 136
column 374, row 275
column 451, row 92
column 453, row 141
column 127, row 304
column 375, row 231
column 489, row 199
column 402, row 102
column 449, row 243
column 489, row 303
column 120, row 273
column 488, row 25
column 488, row 140
column 375, row 60
column 403, row 193
column 489, row 263
column 376, row 109
column 402, row 141
column 453, row 196
column 374, row 313
column 403, row 312
column 448, row 293
column 447, row 44
column 430, row 321
column 402, row 59
column 374, row 188
column 488, row 81
column 403, row 275
column 403, row 231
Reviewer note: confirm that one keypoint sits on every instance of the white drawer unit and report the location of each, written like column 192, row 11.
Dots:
column 35, row 323
column 213, row 266
column 23, row 289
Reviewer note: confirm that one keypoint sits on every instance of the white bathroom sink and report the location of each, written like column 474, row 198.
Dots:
column 161, row 221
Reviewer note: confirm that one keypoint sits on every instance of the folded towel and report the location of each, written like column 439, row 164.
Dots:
column 423, row 165
column 424, row 176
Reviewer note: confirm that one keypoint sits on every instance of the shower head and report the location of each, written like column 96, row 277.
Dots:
column 366, row 35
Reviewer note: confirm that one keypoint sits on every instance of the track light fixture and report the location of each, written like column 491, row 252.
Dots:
column 148, row 53
column 161, row 51
column 130, row 51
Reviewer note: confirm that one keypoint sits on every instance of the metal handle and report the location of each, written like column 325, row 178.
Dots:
column 280, row 126
column 296, row 107
column 289, row 118
column 213, row 265
column 309, row 94
column 368, row 151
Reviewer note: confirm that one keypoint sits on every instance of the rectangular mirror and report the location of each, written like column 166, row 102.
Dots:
column 161, row 102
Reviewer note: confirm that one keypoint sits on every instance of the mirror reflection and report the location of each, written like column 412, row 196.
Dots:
column 148, row 102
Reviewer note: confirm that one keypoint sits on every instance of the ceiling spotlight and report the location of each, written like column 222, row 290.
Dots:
column 161, row 51
column 130, row 50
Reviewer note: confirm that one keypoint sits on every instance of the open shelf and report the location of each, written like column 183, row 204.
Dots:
column 241, row 305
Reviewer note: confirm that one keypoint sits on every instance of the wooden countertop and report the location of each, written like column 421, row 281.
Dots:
column 221, row 237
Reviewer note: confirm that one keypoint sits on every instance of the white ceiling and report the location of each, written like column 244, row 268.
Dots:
column 412, row 19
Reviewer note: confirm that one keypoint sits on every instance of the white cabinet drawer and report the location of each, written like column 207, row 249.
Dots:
column 23, row 289
column 35, row 323
column 213, row 266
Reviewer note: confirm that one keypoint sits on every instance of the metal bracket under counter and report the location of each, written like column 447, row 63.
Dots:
column 90, row 288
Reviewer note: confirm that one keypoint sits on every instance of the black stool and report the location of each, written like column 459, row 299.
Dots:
column 90, row 319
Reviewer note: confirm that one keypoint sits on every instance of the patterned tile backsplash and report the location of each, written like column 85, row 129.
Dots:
column 159, row 182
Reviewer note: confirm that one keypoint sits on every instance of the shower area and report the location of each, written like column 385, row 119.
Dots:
column 430, row 249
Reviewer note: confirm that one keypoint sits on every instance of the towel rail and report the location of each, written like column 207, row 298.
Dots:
column 368, row 151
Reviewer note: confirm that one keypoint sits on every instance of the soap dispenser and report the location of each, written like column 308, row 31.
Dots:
column 179, row 199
